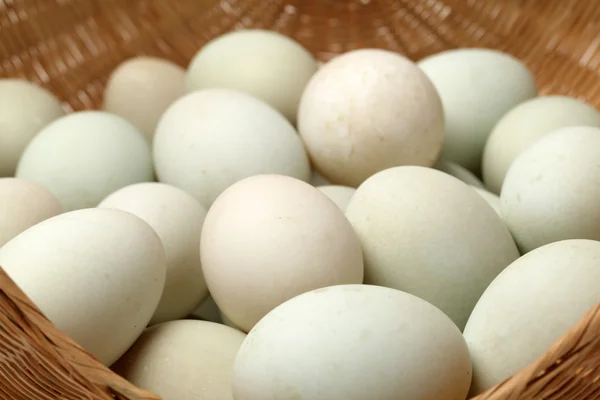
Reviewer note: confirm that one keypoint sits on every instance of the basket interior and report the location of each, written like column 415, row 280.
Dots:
column 71, row 47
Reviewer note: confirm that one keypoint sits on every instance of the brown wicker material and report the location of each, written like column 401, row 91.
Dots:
column 40, row 362
column 72, row 46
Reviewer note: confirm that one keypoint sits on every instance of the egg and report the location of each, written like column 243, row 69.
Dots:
column 177, row 218
column 22, row 205
column 25, row 109
column 269, row 238
column 140, row 90
column 184, row 359
column 368, row 110
column 353, row 342
column 532, row 303
column 459, row 172
column 83, row 157
column 340, row 195
column 492, row 199
column 524, row 125
column 212, row 138
column 552, row 190
column 267, row 65
column 477, row 87
column 97, row 274
column 429, row 234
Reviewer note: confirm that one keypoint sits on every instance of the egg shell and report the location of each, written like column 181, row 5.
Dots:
column 177, row 218
column 429, row 234
column 532, row 303
column 552, row 190
column 459, row 172
column 477, row 87
column 85, row 156
column 212, row 138
column 97, row 274
column 368, row 110
column 264, row 64
column 524, row 125
column 340, row 195
column 25, row 109
column 23, row 204
column 184, row 359
column 269, row 238
column 492, row 199
column 353, row 342
column 140, row 90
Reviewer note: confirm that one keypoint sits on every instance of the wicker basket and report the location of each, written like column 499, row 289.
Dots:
column 72, row 46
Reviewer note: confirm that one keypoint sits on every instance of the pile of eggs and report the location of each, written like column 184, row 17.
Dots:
column 369, row 228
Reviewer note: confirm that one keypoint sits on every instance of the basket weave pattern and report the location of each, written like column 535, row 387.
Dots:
column 72, row 46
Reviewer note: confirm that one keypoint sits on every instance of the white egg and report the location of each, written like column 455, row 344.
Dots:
column 269, row 238
column 25, row 108
column 83, row 157
column 459, row 172
column 140, row 90
column 340, row 195
column 185, row 359
column 212, row 138
column 264, row 64
column 429, row 234
column 368, row 110
column 22, row 205
column 177, row 217
column 97, row 274
column 532, row 303
column 524, row 125
column 552, row 190
column 492, row 199
column 477, row 87
column 353, row 342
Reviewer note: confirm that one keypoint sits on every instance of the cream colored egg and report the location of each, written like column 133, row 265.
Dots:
column 212, row 138
column 25, row 109
column 552, row 190
column 459, row 172
column 368, row 110
column 83, row 157
column 429, row 234
column 269, row 238
column 182, row 360
column 353, row 342
column 340, row 195
column 141, row 89
column 477, row 87
column 524, row 125
column 532, row 303
column 22, row 205
column 491, row 198
column 177, row 218
column 97, row 274
column 264, row 64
